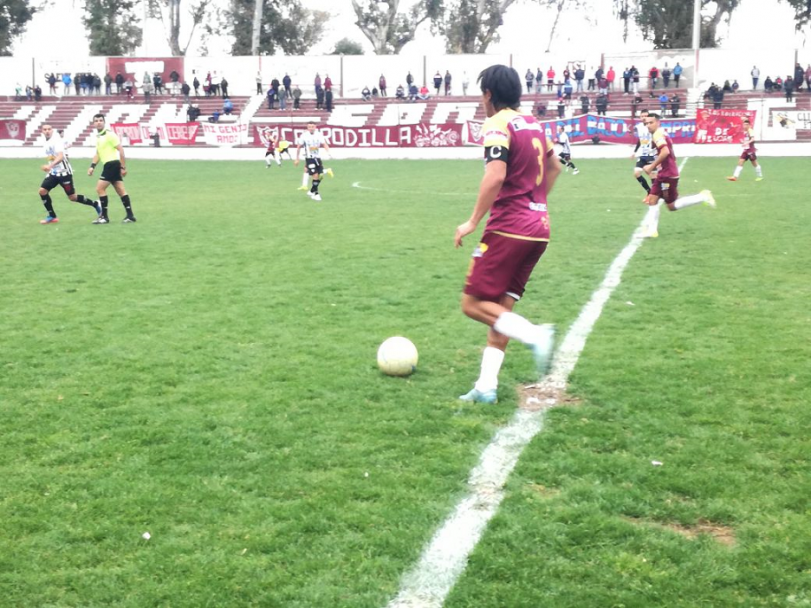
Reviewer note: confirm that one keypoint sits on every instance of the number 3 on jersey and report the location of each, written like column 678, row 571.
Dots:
column 541, row 157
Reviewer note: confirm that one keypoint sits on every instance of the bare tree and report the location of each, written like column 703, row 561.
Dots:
column 386, row 28
column 469, row 26
column 168, row 11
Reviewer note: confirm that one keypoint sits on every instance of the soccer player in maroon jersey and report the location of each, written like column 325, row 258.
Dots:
column 521, row 168
column 749, row 153
column 665, row 185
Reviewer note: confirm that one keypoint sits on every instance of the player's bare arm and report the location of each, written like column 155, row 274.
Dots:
column 123, row 160
column 93, row 163
column 56, row 160
column 494, row 175
column 660, row 158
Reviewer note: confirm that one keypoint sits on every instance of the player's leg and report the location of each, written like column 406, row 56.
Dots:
column 639, row 174
column 485, row 388
column 736, row 174
column 496, row 268
column 269, row 159
column 575, row 170
column 675, row 203
column 304, row 178
column 67, row 186
column 101, row 190
column 650, row 225
column 758, row 169
column 125, row 200
column 45, row 188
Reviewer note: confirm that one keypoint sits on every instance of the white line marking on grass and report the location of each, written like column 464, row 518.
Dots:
column 445, row 558
column 387, row 190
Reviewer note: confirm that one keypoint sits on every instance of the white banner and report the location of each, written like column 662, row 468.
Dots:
column 225, row 134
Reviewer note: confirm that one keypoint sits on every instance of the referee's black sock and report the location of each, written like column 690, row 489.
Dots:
column 104, row 200
column 644, row 183
column 125, row 200
column 46, row 200
column 314, row 189
column 571, row 164
column 81, row 198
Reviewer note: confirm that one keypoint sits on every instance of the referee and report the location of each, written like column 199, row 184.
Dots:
column 111, row 154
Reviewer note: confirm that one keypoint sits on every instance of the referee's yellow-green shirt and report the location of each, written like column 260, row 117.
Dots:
column 107, row 146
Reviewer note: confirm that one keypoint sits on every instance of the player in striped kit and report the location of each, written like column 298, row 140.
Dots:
column 59, row 173
column 313, row 141
column 565, row 150
column 643, row 153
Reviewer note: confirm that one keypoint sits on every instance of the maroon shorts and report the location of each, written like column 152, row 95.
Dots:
column 748, row 155
column 502, row 265
column 666, row 188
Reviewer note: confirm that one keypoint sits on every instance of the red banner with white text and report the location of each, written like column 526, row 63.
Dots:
column 721, row 126
column 12, row 129
column 181, row 133
column 128, row 132
column 400, row 136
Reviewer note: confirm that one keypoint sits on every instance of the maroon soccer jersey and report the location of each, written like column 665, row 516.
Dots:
column 668, row 168
column 519, row 210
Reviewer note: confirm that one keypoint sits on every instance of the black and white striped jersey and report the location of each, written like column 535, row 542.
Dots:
column 53, row 147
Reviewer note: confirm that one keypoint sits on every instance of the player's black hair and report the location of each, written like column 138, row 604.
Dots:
column 504, row 85
column 746, row 120
column 95, row 116
column 645, row 110
column 654, row 115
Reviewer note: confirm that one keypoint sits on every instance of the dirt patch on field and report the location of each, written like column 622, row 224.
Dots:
column 723, row 535
column 536, row 397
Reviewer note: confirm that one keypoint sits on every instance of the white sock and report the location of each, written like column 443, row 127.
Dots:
column 687, row 201
column 737, row 171
column 492, row 358
column 516, row 327
column 653, row 217
column 304, row 179
column 268, row 160
column 759, row 171
column 279, row 161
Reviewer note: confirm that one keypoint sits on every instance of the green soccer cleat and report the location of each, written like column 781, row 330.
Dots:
column 477, row 396
column 329, row 172
column 709, row 199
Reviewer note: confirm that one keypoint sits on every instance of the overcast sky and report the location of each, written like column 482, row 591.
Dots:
column 526, row 29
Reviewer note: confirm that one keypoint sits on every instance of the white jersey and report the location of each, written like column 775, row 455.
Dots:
column 645, row 149
column 563, row 140
column 312, row 142
column 52, row 148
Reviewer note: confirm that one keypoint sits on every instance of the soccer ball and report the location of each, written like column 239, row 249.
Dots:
column 397, row 356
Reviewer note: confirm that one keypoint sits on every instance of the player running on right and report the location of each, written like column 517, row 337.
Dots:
column 566, row 150
column 749, row 153
column 666, row 184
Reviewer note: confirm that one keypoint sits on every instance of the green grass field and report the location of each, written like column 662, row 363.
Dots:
column 208, row 375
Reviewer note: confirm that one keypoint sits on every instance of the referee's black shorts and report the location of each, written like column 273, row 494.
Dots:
column 112, row 172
